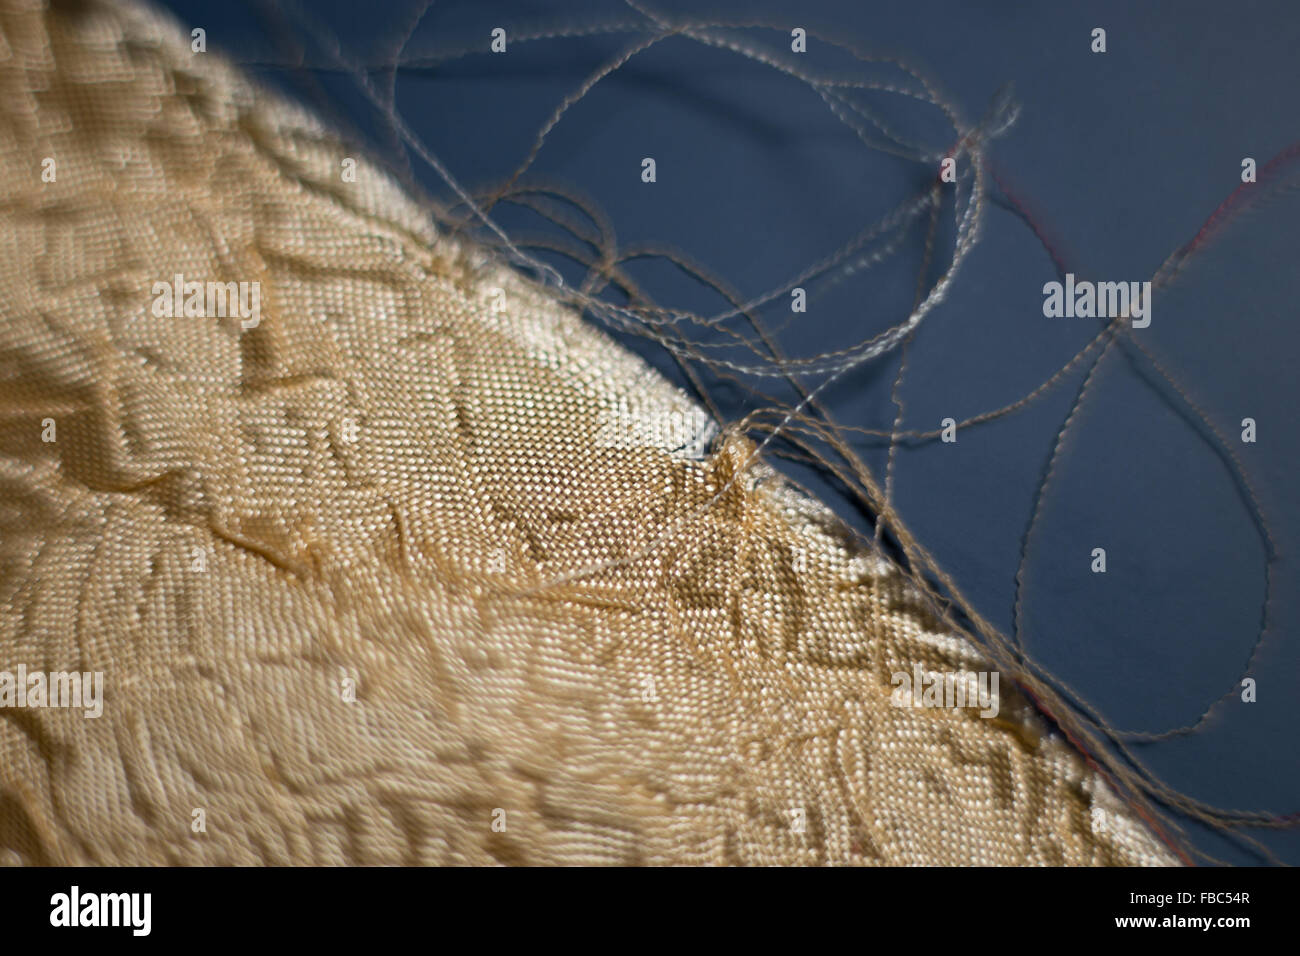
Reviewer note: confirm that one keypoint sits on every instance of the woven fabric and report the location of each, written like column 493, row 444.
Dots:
column 418, row 477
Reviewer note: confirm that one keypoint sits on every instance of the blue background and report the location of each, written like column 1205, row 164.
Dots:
column 1118, row 157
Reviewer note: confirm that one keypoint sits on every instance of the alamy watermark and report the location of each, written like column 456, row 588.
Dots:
column 130, row 910
column 196, row 300
column 63, row 689
column 1099, row 300
column 954, row 690
column 684, row 432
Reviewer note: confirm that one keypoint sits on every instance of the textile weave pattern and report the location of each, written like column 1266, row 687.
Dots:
column 420, row 475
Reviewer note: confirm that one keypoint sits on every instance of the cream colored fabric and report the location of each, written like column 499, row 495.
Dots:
column 397, row 479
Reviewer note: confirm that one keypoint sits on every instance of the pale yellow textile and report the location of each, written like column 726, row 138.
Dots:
column 394, row 482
